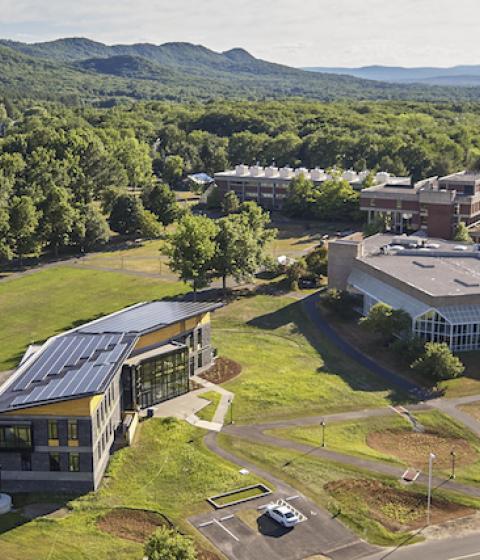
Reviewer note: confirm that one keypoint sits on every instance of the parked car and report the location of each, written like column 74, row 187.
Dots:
column 282, row 515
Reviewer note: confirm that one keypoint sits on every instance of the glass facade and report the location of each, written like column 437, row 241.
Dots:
column 163, row 378
column 15, row 437
column 432, row 326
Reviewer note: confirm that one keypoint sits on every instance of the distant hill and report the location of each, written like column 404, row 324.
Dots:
column 79, row 68
column 455, row 76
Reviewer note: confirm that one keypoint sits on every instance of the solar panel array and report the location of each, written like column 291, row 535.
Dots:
column 82, row 361
column 71, row 365
column 148, row 316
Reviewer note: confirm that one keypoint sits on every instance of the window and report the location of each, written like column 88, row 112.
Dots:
column 54, row 461
column 199, row 339
column 26, row 461
column 98, row 419
column 73, row 429
column 15, row 437
column 52, row 429
column 73, row 462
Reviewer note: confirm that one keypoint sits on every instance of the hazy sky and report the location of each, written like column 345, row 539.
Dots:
column 295, row 32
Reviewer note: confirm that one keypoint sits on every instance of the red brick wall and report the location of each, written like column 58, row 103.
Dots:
column 440, row 220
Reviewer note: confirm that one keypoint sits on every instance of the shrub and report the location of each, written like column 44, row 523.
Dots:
column 167, row 544
column 438, row 362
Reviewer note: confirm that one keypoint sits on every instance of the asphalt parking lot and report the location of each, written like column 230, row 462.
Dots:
column 261, row 538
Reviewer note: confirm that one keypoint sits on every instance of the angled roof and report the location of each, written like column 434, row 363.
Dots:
column 143, row 318
column 82, row 362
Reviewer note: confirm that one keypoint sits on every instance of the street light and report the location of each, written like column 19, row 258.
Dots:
column 453, row 455
column 323, row 424
column 431, row 458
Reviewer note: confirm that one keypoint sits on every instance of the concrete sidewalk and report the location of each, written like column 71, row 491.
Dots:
column 186, row 406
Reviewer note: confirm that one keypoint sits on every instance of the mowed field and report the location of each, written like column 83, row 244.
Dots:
column 39, row 305
column 288, row 368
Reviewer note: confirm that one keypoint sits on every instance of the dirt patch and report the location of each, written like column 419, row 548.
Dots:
column 132, row 524
column 222, row 370
column 395, row 509
column 204, row 554
column 413, row 448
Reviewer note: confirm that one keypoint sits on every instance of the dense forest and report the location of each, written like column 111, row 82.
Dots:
column 71, row 176
column 79, row 70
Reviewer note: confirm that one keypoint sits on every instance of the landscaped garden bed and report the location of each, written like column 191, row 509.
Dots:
column 132, row 524
column 395, row 509
column 222, row 370
column 239, row 496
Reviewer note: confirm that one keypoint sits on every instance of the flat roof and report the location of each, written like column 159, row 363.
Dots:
column 441, row 270
column 81, row 362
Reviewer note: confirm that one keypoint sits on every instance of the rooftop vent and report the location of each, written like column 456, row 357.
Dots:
column 423, row 265
column 467, row 284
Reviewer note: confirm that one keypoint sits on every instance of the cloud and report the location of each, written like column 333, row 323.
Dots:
column 296, row 32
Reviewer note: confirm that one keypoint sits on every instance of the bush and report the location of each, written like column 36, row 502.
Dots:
column 167, row 544
column 387, row 322
column 340, row 303
column 408, row 349
column 438, row 362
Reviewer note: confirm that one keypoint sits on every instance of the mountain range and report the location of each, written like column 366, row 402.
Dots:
column 461, row 76
column 79, row 69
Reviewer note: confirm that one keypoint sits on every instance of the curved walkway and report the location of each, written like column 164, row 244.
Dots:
column 255, row 433
column 416, row 391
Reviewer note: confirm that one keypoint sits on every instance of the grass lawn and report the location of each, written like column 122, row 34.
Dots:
column 391, row 439
column 162, row 472
column 45, row 303
column 468, row 383
column 208, row 412
column 146, row 257
column 320, row 479
column 288, row 368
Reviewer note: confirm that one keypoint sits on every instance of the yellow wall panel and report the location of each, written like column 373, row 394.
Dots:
column 78, row 407
column 171, row 331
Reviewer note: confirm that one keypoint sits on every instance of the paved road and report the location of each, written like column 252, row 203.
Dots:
column 456, row 548
column 391, row 378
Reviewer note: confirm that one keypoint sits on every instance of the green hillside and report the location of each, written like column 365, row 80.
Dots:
column 92, row 71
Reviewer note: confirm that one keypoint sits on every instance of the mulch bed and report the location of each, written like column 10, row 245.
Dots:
column 413, row 447
column 395, row 509
column 132, row 524
column 137, row 525
column 222, row 370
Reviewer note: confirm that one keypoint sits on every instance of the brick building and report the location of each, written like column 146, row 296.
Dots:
column 434, row 205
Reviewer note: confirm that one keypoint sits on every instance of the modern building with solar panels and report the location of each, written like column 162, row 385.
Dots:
column 62, row 409
column 436, row 282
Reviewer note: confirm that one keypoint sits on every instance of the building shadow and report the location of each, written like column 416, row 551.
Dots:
column 335, row 361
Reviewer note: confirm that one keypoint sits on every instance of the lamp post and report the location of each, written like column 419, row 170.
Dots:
column 453, row 455
column 323, row 424
column 431, row 458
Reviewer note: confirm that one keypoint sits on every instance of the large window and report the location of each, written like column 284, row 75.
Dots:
column 73, row 430
column 54, row 459
column 460, row 336
column 163, row 378
column 73, row 462
column 52, row 429
column 15, row 437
